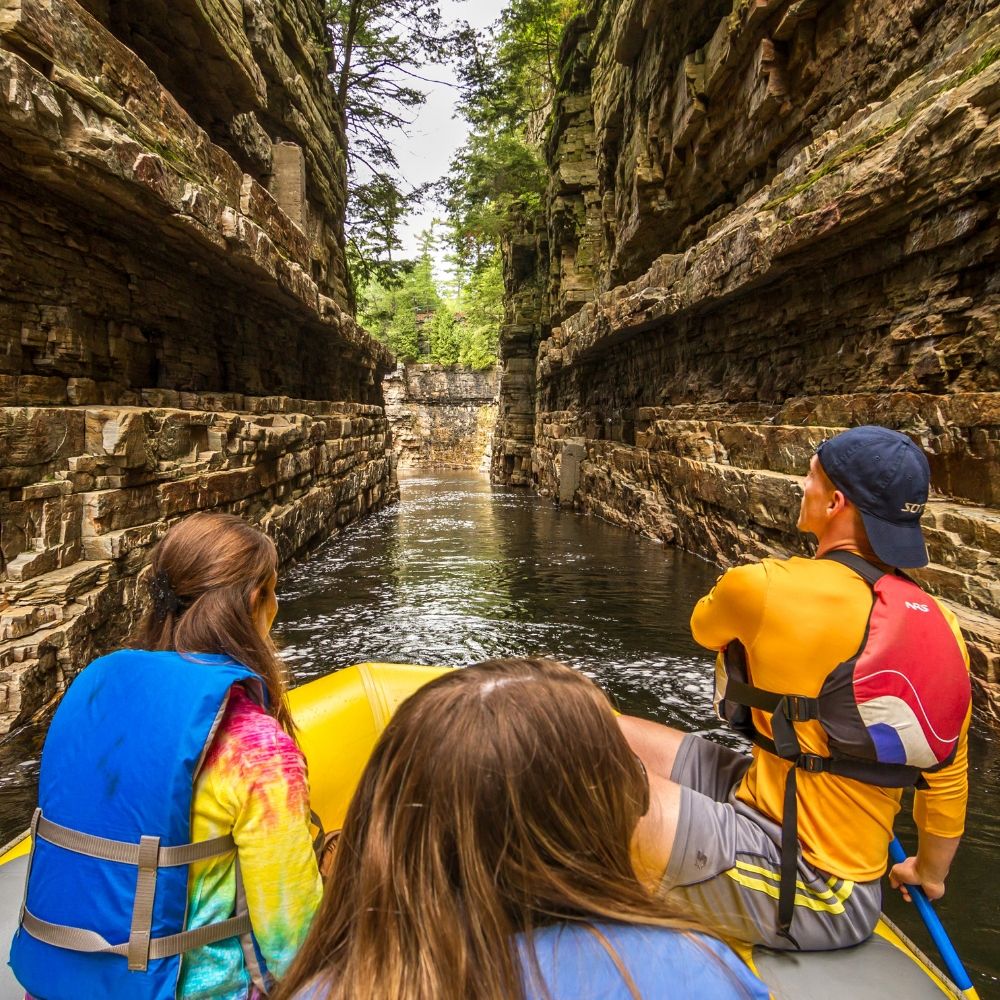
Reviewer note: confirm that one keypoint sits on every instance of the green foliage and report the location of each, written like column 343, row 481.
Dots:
column 508, row 79
column 508, row 82
column 378, row 51
column 417, row 324
column 495, row 172
column 511, row 74
column 396, row 311
column 445, row 346
column 481, row 302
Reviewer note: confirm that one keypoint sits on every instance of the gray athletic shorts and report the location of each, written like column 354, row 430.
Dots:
column 726, row 860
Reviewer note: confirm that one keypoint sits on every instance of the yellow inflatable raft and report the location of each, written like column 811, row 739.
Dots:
column 341, row 716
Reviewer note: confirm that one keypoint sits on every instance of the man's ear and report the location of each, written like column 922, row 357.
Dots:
column 838, row 502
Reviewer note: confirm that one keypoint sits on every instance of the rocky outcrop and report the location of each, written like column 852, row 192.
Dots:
column 780, row 219
column 103, row 484
column 526, row 322
column 441, row 415
column 173, row 307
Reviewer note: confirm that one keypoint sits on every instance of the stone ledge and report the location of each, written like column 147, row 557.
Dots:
column 100, row 123
column 127, row 466
column 75, row 545
column 832, row 197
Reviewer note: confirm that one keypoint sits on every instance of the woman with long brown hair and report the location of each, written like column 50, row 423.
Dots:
column 173, row 855
column 487, row 856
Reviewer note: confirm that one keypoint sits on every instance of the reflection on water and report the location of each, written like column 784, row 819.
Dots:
column 457, row 572
column 20, row 752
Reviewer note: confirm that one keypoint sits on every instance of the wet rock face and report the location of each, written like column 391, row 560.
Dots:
column 90, row 490
column 441, row 416
column 175, row 327
column 788, row 228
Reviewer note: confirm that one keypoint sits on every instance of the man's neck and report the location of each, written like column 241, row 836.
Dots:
column 859, row 546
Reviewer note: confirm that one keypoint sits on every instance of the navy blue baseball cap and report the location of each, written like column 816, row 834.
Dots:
column 886, row 476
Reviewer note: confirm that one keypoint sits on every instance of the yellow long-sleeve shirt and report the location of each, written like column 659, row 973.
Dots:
column 798, row 618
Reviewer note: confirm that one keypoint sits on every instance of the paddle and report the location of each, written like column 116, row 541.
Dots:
column 933, row 924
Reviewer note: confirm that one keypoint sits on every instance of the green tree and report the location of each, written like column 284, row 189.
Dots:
column 419, row 324
column 481, row 305
column 402, row 313
column 378, row 52
column 510, row 74
column 445, row 336
column 492, row 173
column 509, row 80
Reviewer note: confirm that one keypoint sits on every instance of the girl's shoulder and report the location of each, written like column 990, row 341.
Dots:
column 248, row 732
column 664, row 964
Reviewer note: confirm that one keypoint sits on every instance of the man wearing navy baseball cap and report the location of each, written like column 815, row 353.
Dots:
column 797, row 625
column 885, row 478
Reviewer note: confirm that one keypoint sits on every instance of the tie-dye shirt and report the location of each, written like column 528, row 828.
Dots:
column 253, row 783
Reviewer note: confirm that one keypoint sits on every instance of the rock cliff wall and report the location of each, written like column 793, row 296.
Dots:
column 767, row 221
column 174, row 324
column 441, row 416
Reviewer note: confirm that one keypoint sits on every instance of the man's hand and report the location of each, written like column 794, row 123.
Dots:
column 907, row 873
column 928, row 869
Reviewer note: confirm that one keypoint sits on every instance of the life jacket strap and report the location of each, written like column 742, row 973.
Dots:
column 797, row 707
column 128, row 853
column 869, row 573
column 319, row 841
column 32, row 830
column 90, row 942
column 140, row 932
column 789, row 857
column 882, row 775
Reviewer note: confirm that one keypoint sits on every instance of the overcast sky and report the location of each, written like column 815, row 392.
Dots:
column 425, row 153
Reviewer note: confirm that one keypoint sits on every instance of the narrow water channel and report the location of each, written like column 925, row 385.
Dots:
column 457, row 572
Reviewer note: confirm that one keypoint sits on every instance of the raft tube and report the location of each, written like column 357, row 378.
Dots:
column 340, row 718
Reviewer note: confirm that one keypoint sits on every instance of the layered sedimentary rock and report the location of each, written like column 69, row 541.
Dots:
column 441, row 415
column 526, row 322
column 769, row 221
column 174, row 324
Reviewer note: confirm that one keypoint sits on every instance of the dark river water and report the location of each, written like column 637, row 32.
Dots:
column 458, row 572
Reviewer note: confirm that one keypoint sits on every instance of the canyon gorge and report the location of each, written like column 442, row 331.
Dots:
column 766, row 221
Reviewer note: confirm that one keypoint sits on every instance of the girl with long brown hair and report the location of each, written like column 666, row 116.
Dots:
column 184, row 739
column 487, row 856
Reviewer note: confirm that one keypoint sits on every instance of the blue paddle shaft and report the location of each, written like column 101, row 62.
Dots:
column 933, row 924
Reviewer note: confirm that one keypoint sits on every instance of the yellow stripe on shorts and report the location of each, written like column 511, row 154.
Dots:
column 831, row 900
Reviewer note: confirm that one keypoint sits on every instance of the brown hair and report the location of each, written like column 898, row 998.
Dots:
column 205, row 577
column 500, row 798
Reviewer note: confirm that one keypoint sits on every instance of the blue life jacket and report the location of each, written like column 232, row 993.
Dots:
column 106, row 898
